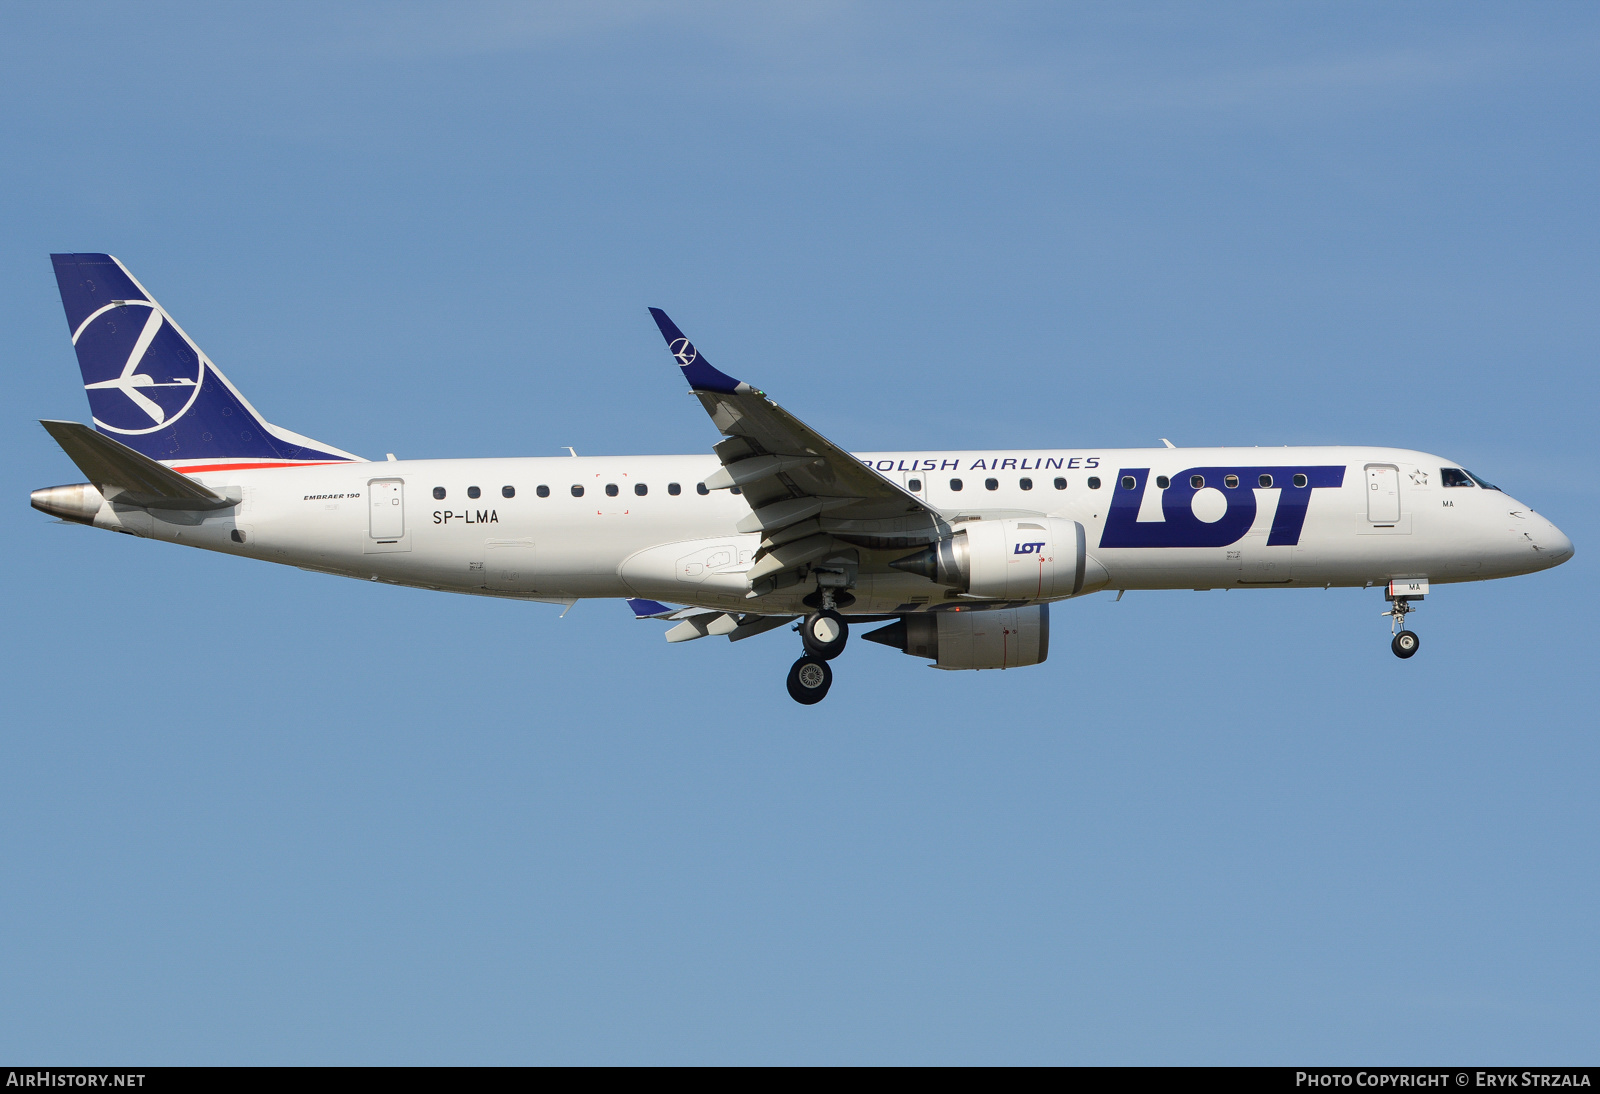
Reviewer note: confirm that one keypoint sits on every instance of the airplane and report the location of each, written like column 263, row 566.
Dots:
column 960, row 554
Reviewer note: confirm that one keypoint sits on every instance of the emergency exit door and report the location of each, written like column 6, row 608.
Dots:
column 1383, row 494
column 386, row 506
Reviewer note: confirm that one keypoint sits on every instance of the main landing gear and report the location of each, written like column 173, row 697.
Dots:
column 823, row 633
column 1404, row 643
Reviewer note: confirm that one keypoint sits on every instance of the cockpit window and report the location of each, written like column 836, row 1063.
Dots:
column 1454, row 476
column 1480, row 482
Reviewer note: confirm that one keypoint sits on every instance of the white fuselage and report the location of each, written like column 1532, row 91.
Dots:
column 1389, row 518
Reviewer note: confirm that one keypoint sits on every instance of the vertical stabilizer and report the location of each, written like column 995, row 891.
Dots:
column 151, row 388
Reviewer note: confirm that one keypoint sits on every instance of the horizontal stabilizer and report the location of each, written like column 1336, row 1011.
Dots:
column 123, row 475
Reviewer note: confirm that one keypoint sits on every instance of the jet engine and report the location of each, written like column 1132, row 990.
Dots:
column 1006, row 638
column 1030, row 558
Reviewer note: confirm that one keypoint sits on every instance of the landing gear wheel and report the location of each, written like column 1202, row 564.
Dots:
column 1405, row 644
column 809, row 680
column 824, row 634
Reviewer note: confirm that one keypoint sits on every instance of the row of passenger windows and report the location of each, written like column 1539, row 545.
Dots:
column 612, row 490
column 915, row 485
column 1196, row 482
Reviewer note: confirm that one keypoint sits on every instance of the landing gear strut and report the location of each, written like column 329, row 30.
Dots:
column 1404, row 643
column 823, row 633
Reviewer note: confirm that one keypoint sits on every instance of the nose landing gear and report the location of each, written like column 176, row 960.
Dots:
column 1404, row 643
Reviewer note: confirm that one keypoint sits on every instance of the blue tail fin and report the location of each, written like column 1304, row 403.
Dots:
column 151, row 388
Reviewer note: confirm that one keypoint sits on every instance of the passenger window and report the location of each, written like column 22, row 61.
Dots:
column 1230, row 481
column 611, row 489
column 991, row 484
column 438, row 493
column 641, row 489
column 914, row 485
column 1454, row 476
column 577, row 491
column 1128, row 482
column 474, row 493
column 542, row 491
column 701, row 488
column 1026, row 484
column 1163, row 482
column 1265, row 481
column 1197, row 482
column 1094, row 482
column 1061, row 484
column 674, row 489
column 955, row 484
column 508, row 491
column 1299, row 480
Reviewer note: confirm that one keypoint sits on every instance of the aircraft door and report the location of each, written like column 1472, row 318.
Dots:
column 386, row 507
column 1383, row 494
column 916, row 482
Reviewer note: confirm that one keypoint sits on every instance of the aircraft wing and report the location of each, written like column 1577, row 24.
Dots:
column 802, row 488
column 122, row 474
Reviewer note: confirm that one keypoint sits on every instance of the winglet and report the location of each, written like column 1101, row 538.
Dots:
column 649, row 609
column 696, row 369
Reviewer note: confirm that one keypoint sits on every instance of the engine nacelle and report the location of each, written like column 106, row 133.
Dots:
column 1024, row 558
column 1007, row 638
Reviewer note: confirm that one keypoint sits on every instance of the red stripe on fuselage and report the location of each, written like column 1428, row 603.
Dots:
column 252, row 466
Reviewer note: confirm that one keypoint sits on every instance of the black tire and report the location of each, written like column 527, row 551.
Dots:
column 809, row 680
column 1405, row 644
column 827, row 620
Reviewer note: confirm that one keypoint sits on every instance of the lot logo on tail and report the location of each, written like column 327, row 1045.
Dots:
column 139, row 372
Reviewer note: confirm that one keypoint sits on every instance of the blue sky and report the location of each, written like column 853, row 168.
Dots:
column 257, row 815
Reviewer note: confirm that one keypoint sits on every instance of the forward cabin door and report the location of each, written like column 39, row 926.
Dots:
column 386, row 507
column 1383, row 494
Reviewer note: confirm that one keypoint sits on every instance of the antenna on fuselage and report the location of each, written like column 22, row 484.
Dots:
column 572, row 450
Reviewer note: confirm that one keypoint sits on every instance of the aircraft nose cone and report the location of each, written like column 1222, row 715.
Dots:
column 1555, row 544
